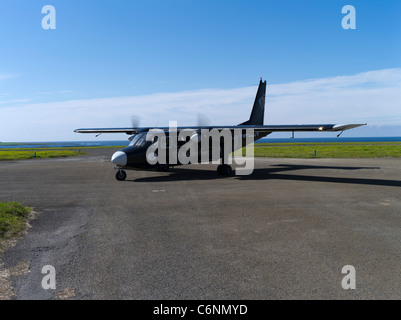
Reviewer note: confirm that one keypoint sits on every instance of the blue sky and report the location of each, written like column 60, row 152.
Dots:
column 105, row 51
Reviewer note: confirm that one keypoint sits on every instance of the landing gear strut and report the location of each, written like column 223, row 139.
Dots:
column 121, row 175
column 224, row 170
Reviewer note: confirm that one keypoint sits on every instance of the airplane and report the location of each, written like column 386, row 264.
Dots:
column 133, row 157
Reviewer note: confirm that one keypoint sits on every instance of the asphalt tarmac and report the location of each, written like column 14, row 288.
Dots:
column 284, row 232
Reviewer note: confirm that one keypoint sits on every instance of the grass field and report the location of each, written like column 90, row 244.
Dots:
column 328, row 150
column 39, row 153
column 269, row 150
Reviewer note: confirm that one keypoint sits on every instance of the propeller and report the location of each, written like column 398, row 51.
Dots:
column 135, row 121
column 203, row 121
column 135, row 124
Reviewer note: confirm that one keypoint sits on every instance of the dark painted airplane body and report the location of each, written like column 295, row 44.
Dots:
column 134, row 156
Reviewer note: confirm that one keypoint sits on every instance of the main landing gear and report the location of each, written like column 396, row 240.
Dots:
column 224, row 170
column 121, row 175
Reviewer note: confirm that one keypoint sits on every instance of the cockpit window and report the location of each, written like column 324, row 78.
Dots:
column 139, row 140
column 134, row 140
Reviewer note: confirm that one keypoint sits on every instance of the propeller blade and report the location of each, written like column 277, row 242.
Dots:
column 203, row 121
column 135, row 121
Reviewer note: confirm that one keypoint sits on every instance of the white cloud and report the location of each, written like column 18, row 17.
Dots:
column 373, row 97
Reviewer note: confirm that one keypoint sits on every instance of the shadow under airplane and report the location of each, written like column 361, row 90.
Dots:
column 275, row 172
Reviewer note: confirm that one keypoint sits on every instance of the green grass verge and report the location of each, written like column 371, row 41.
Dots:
column 327, row 150
column 272, row 150
column 12, row 219
column 42, row 153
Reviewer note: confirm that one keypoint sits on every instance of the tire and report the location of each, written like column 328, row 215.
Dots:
column 224, row 170
column 121, row 175
column 227, row 171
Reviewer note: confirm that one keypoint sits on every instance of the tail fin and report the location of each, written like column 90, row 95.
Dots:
column 258, row 110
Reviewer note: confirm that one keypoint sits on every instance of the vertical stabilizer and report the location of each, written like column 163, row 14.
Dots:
column 258, row 110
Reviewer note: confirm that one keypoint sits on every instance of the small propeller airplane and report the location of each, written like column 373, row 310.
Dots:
column 134, row 156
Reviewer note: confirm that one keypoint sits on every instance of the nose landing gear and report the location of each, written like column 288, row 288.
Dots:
column 121, row 175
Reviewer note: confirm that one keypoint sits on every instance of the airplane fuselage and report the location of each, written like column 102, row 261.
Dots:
column 135, row 156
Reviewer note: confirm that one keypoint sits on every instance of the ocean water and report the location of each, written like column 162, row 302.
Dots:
column 58, row 144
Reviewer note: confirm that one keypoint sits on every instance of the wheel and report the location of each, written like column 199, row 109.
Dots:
column 224, row 170
column 121, row 175
column 227, row 171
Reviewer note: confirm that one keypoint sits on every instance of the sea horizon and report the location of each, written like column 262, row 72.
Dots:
column 111, row 143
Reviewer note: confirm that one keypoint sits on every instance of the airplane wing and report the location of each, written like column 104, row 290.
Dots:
column 303, row 127
column 256, row 128
column 108, row 130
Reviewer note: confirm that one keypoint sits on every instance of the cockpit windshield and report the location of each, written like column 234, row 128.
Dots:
column 139, row 140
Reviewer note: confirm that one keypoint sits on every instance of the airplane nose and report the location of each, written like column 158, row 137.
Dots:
column 119, row 158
